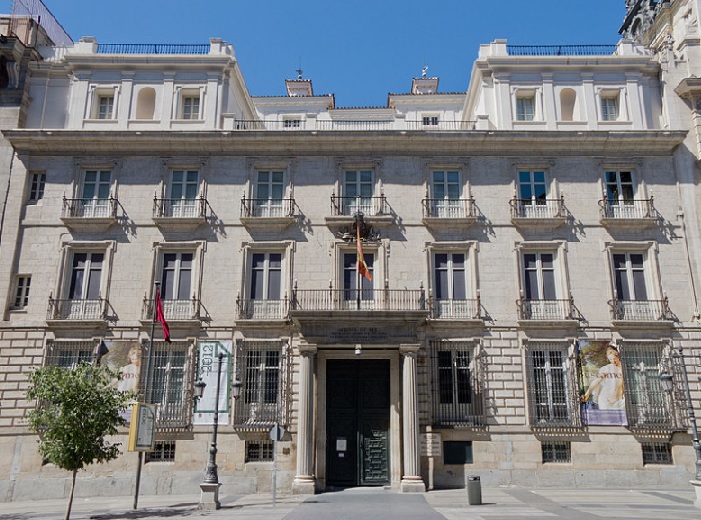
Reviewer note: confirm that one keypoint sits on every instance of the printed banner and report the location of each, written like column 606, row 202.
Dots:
column 125, row 358
column 602, row 389
column 207, row 364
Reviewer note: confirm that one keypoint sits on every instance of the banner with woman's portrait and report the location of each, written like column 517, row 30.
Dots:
column 602, row 386
column 124, row 357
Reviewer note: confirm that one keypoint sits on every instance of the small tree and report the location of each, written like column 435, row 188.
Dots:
column 75, row 410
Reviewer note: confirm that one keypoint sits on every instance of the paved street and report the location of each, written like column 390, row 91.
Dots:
column 501, row 503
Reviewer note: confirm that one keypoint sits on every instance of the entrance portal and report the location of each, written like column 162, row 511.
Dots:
column 357, row 422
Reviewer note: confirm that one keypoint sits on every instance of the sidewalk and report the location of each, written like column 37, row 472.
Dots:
column 499, row 503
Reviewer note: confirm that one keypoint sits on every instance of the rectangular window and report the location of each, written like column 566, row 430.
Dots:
column 609, row 108
column 457, row 452
column 36, row 187
column 291, row 123
column 266, row 276
column 191, row 106
column 445, row 186
column 525, row 108
column 629, row 274
column 532, row 187
column 167, row 388
column 105, row 106
column 456, row 376
column 95, row 194
column 539, row 276
column 184, row 188
column 176, row 276
column 647, row 404
column 262, row 377
column 357, row 192
column 620, row 189
column 259, row 451
column 551, row 400
column 557, row 452
column 430, row 120
column 270, row 190
column 450, row 280
column 22, row 292
column 85, row 276
column 352, row 284
column 69, row 354
column 162, row 452
column 657, row 453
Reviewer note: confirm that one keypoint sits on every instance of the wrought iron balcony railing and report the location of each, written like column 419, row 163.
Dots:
column 449, row 208
column 174, row 310
column 537, row 208
column 545, row 310
column 89, row 208
column 561, row 50
column 641, row 310
column 267, row 208
column 454, row 126
column 455, row 309
column 352, row 299
column 628, row 209
column 180, row 208
column 262, row 309
column 349, row 206
column 352, row 125
column 76, row 310
column 153, row 48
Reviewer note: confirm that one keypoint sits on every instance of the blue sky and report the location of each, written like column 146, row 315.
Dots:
column 358, row 50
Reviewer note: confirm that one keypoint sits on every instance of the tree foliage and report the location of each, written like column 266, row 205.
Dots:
column 76, row 410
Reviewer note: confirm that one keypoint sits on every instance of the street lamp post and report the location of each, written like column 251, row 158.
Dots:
column 668, row 384
column 209, row 498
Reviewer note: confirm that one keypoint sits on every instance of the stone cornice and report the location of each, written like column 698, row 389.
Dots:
column 337, row 143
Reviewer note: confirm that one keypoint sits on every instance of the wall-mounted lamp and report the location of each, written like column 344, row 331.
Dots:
column 358, row 349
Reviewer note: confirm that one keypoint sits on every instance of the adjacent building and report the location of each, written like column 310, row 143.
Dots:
column 529, row 255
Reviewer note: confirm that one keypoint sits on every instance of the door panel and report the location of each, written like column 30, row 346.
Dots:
column 357, row 450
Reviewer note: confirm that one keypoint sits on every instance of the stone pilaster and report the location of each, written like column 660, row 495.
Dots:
column 411, row 479
column 304, row 482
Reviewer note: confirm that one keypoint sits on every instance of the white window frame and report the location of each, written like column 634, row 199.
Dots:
column 619, row 95
column 430, row 120
column 183, row 206
column 292, row 122
column 107, row 248
column 366, row 204
column 270, row 207
column 543, row 400
column 534, row 94
column 197, row 249
column 95, row 206
column 97, row 94
column 185, row 93
column 447, row 306
column 560, row 272
column 270, row 308
column 651, row 267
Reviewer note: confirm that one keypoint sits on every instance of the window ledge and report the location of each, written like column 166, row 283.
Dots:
column 101, row 121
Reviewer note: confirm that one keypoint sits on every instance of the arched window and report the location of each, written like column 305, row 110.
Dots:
column 146, row 103
column 568, row 104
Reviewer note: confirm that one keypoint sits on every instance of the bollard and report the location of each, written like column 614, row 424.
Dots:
column 474, row 491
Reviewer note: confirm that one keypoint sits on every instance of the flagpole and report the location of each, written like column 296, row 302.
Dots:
column 358, row 259
column 147, row 384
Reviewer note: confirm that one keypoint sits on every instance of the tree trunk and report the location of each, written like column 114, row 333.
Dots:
column 70, row 498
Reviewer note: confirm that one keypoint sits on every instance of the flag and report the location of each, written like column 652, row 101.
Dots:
column 362, row 266
column 160, row 317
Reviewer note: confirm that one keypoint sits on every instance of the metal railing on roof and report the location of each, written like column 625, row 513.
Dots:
column 37, row 11
column 560, row 50
column 153, row 48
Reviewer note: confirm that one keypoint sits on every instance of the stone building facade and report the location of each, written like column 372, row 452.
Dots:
column 531, row 247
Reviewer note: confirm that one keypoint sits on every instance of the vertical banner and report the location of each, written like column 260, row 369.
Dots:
column 602, row 389
column 124, row 357
column 207, row 361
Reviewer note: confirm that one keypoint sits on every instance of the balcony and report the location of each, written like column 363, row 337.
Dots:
column 447, row 213
column 644, row 313
column 262, row 310
column 177, row 312
column 277, row 214
column 628, row 214
column 325, row 302
column 180, row 214
column 349, row 125
column 89, row 214
column 547, row 313
column 375, row 210
column 459, row 312
column 534, row 213
column 76, row 313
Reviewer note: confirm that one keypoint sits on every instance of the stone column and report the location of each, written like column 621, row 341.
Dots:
column 411, row 479
column 304, row 482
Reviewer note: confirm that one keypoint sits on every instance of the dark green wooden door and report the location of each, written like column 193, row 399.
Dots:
column 357, row 422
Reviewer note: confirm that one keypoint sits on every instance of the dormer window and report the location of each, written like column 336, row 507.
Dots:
column 105, row 106
column 104, row 103
column 190, row 104
column 609, row 107
column 430, row 120
column 291, row 123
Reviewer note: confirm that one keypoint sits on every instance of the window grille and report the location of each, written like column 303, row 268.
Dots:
column 457, row 384
column 259, row 451
column 69, row 354
column 167, row 389
column 647, row 404
column 552, row 381
column 559, row 452
column 262, row 368
column 162, row 452
column 657, row 453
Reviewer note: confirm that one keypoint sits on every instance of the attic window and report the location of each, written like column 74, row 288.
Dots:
column 430, row 120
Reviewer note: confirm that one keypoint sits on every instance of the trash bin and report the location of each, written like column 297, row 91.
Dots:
column 474, row 491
